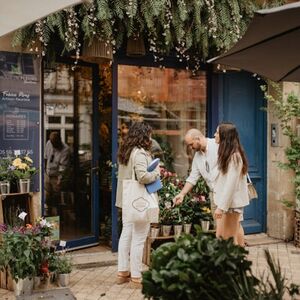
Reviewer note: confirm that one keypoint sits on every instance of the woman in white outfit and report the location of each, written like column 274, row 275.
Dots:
column 231, row 193
column 134, row 154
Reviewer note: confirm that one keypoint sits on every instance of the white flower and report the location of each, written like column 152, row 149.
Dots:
column 168, row 205
column 43, row 222
column 167, row 195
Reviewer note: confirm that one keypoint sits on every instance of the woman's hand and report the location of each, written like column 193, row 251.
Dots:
column 218, row 213
column 178, row 199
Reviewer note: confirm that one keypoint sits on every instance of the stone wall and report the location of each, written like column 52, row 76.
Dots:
column 280, row 219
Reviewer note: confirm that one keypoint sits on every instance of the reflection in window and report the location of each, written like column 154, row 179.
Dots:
column 170, row 100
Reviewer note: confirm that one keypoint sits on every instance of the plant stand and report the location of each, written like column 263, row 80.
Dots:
column 148, row 246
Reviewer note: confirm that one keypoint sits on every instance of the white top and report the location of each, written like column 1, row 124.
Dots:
column 231, row 188
column 205, row 164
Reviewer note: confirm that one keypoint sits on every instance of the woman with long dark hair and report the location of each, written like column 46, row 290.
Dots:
column 231, row 193
column 134, row 154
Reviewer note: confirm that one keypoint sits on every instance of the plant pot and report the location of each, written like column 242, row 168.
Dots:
column 166, row 229
column 64, row 279
column 205, row 225
column 36, row 282
column 187, row 228
column 24, row 185
column 154, row 232
column 177, row 230
column 23, row 286
column 4, row 187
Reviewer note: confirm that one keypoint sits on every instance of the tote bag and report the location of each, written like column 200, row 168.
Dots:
column 252, row 193
column 137, row 204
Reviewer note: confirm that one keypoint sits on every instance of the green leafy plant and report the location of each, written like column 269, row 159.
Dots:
column 23, row 249
column 193, row 29
column 287, row 110
column 64, row 264
column 204, row 267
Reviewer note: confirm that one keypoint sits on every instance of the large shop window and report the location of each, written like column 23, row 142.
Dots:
column 171, row 101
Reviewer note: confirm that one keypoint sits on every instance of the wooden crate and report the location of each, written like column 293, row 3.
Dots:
column 6, row 281
column 151, row 244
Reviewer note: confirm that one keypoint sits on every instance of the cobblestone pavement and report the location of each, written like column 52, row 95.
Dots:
column 100, row 283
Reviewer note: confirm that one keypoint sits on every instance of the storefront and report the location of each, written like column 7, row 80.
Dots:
column 91, row 108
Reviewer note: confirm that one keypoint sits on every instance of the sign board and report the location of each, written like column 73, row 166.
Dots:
column 20, row 89
column 55, row 222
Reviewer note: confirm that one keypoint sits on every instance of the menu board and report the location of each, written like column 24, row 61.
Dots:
column 20, row 89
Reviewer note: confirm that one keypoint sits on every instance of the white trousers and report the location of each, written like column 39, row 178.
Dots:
column 131, row 246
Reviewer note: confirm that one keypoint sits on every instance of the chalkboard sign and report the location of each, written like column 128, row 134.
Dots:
column 20, row 89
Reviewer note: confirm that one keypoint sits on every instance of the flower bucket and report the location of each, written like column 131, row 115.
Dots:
column 154, row 232
column 177, row 230
column 166, row 229
column 24, row 185
column 4, row 187
column 205, row 226
column 36, row 282
column 187, row 228
column 23, row 286
column 64, row 279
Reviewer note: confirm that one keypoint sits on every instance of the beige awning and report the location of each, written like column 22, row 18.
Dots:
column 15, row 14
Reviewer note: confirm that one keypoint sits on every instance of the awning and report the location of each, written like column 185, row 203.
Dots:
column 15, row 14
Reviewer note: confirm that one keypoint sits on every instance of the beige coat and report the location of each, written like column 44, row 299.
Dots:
column 141, row 161
column 231, row 190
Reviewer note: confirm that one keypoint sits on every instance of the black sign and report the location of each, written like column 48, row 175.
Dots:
column 20, row 107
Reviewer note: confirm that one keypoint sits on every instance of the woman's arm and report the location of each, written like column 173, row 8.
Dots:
column 140, row 166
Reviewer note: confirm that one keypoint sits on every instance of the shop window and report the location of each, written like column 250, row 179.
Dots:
column 54, row 120
column 170, row 100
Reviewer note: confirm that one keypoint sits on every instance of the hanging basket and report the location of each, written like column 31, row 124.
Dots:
column 135, row 47
column 97, row 51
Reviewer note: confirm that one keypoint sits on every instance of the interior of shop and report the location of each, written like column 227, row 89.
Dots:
column 170, row 100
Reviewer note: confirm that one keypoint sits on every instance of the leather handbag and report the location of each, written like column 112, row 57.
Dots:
column 252, row 193
column 137, row 204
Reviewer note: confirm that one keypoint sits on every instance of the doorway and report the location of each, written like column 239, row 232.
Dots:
column 71, row 187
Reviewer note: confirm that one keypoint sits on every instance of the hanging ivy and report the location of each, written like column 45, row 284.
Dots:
column 194, row 29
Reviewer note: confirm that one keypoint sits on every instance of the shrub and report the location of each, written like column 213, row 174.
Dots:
column 204, row 267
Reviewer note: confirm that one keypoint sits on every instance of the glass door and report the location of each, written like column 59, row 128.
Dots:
column 71, row 151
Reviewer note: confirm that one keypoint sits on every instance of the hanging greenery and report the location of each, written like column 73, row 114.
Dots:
column 194, row 29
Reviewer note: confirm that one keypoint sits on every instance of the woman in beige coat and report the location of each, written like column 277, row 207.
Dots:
column 134, row 154
column 230, row 191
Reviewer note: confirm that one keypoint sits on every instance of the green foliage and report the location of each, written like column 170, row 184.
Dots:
column 198, row 28
column 204, row 267
column 287, row 110
column 63, row 264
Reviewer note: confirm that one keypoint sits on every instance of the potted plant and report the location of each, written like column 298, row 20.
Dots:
column 22, row 171
column 21, row 252
column 206, row 218
column 187, row 214
column 165, row 219
column 177, row 220
column 64, row 268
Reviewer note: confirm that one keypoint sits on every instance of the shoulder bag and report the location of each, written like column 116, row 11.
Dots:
column 137, row 204
column 252, row 193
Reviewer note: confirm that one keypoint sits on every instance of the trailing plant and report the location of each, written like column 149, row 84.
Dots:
column 193, row 29
column 204, row 267
column 287, row 110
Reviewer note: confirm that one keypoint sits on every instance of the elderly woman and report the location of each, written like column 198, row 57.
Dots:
column 134, row 154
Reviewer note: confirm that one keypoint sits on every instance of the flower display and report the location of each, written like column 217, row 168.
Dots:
column 25, row 248
column 194, row 208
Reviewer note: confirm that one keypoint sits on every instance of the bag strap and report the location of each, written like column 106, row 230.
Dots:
column 249, row 179
column 132, row 163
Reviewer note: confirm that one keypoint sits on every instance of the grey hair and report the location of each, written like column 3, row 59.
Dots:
column 193, row 133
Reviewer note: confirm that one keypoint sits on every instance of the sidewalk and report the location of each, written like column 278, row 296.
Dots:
column 99, row 282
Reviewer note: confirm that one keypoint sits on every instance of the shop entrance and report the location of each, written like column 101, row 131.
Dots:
column 71, row 187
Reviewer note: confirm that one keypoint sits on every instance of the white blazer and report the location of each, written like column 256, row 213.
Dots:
column 230, row 189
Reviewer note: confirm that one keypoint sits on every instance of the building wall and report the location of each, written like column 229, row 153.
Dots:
column 280, row 219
